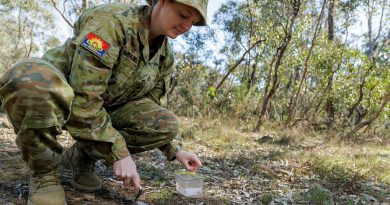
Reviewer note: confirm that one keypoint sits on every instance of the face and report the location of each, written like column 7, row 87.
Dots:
column 175, row 18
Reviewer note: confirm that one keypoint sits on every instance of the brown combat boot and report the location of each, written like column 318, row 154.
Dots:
column 45, row 189
column 83, row 168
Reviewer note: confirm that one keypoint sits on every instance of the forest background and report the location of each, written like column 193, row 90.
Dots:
column 293, row 77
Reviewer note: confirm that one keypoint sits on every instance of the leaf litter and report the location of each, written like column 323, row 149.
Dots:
column 257, row 172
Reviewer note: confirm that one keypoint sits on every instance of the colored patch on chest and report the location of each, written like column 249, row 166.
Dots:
column 95, row 44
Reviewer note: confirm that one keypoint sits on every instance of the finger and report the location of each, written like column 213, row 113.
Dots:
column 198, row 162
column 188, row 166
column 195, row 163
column 195, row 167
column 126, row 181
column 192, row 165
column 118, row 174
column 136, row 183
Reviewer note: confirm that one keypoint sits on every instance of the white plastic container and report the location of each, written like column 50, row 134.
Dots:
column 189, row 184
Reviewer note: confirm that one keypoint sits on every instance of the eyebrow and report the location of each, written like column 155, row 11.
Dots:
column 189, row 11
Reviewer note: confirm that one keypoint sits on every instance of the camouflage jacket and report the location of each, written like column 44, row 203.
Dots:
column 107, row 63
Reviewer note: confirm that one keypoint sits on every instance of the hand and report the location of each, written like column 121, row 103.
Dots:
column 189, row 160
column 126, row 170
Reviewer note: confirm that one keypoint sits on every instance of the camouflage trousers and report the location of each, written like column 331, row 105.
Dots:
column 37, row 100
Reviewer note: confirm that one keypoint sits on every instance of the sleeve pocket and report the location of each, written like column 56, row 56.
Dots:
column 101, row 48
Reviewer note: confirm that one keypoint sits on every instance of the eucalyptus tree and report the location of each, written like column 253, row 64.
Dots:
column 192, row 78
column 292, row 11
column 70, row 10
column 240, row 22
column 370, row 101
column 25, row 27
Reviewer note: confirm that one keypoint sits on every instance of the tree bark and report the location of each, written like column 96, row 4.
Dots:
column 361, row 95
column 329, row 105
column 330, row 20
column 231, row 69
column 84, row 5
column 371, row 39
column 62, row 14
column 368, row 122
column 295, row 96
column 276, row 62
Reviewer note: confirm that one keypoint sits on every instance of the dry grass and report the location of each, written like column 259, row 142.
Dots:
column 289, row 165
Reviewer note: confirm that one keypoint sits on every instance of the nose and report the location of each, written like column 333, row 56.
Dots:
column 187, row 25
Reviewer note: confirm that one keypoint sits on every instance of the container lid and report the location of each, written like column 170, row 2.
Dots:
column 188, row 176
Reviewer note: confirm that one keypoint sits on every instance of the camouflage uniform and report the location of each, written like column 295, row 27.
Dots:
column 104, row 86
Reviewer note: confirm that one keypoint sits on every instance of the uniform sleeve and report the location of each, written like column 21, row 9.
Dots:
column 97, row 40
column 159, row 94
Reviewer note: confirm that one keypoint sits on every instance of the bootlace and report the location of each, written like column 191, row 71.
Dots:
column 46, row 179
column 86, row 165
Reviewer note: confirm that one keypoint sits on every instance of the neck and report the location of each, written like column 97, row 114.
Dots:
column 153, row 31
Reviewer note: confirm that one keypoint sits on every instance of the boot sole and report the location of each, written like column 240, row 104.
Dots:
column 85, row 188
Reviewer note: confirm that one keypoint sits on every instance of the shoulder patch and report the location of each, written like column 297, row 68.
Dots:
column 95, row 44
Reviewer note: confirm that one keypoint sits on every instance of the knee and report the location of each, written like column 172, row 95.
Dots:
column 34, row 80
column 25, row 137
column 34, row 94
column 170, row 125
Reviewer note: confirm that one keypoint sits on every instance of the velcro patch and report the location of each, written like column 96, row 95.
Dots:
column 95, row 44
column 129, row 55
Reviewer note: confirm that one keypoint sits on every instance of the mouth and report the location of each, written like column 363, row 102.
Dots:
column 178, row 31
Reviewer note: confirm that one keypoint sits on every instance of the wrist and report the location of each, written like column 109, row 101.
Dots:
column 114, row 157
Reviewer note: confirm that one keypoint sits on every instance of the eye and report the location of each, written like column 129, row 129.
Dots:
column 184, row 16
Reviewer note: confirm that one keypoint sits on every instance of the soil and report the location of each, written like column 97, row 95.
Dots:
column 15, row 173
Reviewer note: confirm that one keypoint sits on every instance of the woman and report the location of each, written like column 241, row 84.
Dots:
column 104, row 87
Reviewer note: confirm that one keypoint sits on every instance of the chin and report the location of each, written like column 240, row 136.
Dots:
column 172, row 36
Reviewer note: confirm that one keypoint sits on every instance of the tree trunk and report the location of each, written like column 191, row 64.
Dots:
column 276, row 62
column 295, row 96
column 84, row 5
column 361, row 95
column 368, row 122
column 371, row 39
column 330, row 20
column 231, row 69
column 61, row 13
column 329, row 105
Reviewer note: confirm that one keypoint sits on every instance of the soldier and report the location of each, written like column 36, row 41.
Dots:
column 105, row 87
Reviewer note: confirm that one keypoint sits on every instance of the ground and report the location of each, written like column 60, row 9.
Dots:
column 269, row 167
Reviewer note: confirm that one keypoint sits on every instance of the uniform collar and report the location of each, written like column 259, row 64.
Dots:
column 145, row 13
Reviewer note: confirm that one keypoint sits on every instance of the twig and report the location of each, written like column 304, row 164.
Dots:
column 62, row 15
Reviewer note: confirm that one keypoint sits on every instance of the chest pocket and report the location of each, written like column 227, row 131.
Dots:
column 146, row 79
column 132, row 78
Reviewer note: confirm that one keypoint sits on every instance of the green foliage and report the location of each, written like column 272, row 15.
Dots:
column 266, row 198
column 339, row 71
column 335, row 70
column 339, row 176
column 319, row 195
column 25, row 24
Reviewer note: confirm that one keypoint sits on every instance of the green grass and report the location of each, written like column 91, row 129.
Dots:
column 335, row 168
column 369, row 159
column 364, row 160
